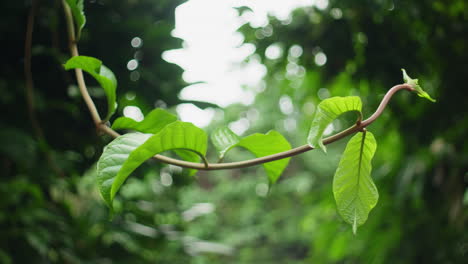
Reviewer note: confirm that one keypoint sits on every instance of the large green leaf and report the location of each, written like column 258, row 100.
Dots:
column 153, row 122
column 77, row 9
column 224, row 139
column 101, row 73
column 177, row 135
column 355, row 192
column 328, row 110
column 113, row 157
column 259, row 144
column 416, row 86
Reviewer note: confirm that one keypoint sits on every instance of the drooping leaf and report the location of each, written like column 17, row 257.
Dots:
column 113, row 157
column 328, row 110
column 224, row 139
column 267, row 144
column 77, row 9
column 355, row 192
column 101, row 73
column 414, row 83
column 259, row 144
column 152, row 123
column 177, row 135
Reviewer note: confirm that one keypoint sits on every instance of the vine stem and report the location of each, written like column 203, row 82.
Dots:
column 359, row 126
column 72, row 43
column 29, row 93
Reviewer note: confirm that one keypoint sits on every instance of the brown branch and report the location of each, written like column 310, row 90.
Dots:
column 286, row 154
column 29, row 86
column 28, row 73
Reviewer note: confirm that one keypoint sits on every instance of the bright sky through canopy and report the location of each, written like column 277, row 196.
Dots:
column 213, row 53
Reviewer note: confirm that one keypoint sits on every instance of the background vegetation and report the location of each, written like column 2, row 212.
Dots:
column 51, row 212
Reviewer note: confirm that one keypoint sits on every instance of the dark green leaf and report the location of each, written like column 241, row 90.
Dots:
column 416, row 86
column 101, row 73
column 328, row 110
column 153, row 122
column 177, row 135
column 113, row 157
column 77, row 9
column 355, row 192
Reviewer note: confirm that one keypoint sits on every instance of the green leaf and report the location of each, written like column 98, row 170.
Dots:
column 259, row 144
column 177, row 135
column 355, row 192
column 416, row 86
column 153, row 122
column 263, row 145
column 101, row 73
column 328, row 110
column 77, row 9
column 113, row 157
column 224, row 139
column 188, row 155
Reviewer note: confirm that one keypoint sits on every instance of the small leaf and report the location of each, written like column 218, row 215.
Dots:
column 224, row 139
column 177, row 135
column 263, row 145
column 112, row 159
column 328, row 110
column 101, row 73
column 416, row 86
column 355, row 192
column 153, row 122
column 77, row 9
column 259, row 144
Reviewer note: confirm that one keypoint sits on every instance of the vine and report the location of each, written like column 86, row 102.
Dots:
column 354, row 191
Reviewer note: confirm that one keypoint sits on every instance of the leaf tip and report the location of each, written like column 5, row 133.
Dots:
column 316, row 144
column 321, row 146
column 405, row 75
column 355, row 223
column 415, row 85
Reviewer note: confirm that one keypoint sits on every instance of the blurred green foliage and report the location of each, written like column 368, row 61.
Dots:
column 51, row 212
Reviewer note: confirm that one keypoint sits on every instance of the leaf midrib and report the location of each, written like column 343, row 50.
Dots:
column 356, row 188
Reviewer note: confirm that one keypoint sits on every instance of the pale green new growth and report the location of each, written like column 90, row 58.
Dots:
column 355, row 192
column 223, row 140
column 259, row 144
column 414, row 84
column 101, row 73
column 327, row 111
column 152, row 123
column 77, row 9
